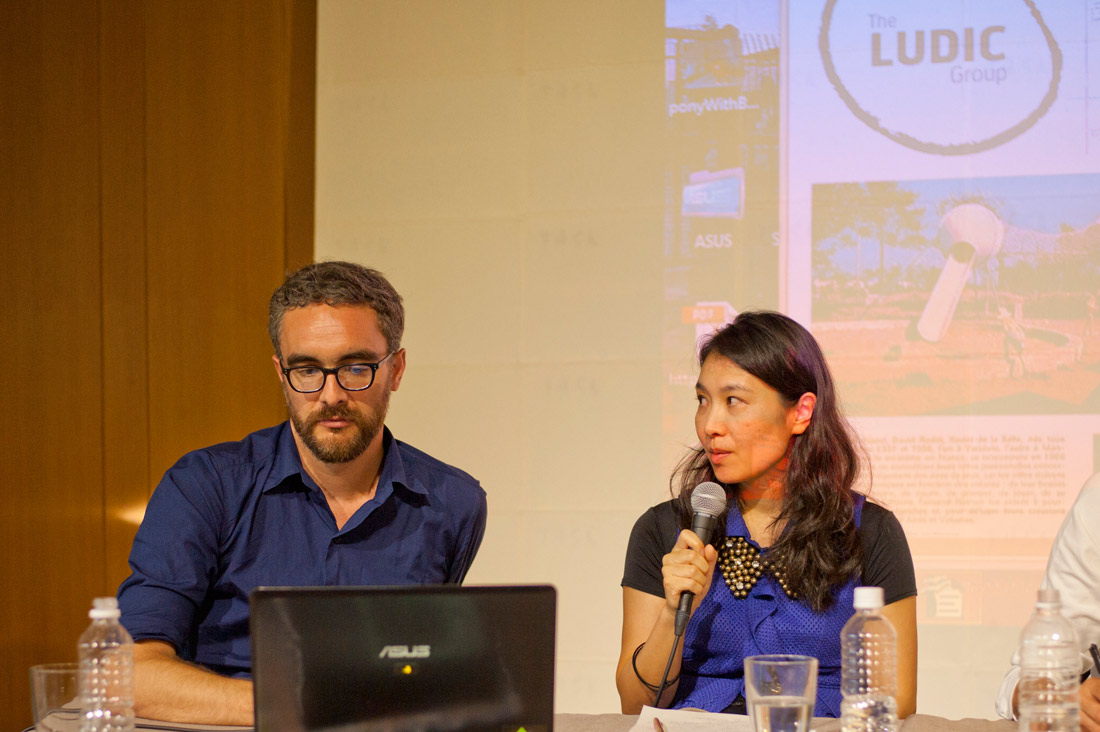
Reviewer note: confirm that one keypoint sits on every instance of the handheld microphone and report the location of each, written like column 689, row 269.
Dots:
column 708, row 501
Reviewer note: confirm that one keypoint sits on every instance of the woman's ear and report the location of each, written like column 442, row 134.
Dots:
column 801, row 413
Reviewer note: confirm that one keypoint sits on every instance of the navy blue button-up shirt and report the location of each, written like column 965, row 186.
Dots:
column 232, row 517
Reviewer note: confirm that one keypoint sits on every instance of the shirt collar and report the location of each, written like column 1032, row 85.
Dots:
column 288, row 463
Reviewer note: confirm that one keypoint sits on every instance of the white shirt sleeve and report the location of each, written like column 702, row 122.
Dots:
column 1074, row 570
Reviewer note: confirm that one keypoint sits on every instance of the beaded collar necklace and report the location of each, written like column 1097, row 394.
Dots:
column 741, row 565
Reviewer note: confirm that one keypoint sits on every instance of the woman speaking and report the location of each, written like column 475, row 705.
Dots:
column 794, row 540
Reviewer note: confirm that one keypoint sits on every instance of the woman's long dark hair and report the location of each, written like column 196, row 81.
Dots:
column 820, row 548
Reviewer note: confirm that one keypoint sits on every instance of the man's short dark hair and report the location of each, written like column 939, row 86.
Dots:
column 339, row 283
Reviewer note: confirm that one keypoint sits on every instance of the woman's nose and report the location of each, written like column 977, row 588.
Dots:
column 713, row 424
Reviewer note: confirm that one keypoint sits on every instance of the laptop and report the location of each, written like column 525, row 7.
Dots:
column 429, row 658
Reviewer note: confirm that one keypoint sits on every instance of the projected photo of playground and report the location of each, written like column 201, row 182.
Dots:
column 977, row 296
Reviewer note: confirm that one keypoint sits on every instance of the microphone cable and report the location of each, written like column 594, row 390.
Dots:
column 668, row 667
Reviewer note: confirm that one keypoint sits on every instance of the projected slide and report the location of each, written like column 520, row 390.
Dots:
column 944, row 246
column 941, row 237
column 940, row 78
column 722, row 86
column 973, row 296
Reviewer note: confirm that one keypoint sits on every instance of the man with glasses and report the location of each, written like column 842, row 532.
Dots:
column 329, row 497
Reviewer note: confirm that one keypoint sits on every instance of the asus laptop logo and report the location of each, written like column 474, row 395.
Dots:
column 405, row 652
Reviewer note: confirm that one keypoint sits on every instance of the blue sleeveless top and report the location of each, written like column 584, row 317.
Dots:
column 724, row 630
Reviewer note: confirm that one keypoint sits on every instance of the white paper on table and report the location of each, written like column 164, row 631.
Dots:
column 681, row 720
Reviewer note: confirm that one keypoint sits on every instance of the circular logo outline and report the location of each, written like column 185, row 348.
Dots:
column 913, row 143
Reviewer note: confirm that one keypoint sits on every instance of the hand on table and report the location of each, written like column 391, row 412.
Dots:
column 1090, row 705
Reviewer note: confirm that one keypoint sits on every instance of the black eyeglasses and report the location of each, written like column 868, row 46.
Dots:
column 350, row 376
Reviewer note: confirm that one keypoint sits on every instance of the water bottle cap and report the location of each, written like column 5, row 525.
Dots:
column 867, row 598
column 104, row 608
column 1049, row 597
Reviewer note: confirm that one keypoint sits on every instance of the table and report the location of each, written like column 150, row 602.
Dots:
column 623, row 722
column 915, row 723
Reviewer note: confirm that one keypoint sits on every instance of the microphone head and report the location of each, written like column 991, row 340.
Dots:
column 708, row 498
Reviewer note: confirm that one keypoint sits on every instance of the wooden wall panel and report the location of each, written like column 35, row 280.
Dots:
column 51, row 448
column 216, row 140
column 51, row 537
column 126, row 474
column 153, row 190
column 300, row 178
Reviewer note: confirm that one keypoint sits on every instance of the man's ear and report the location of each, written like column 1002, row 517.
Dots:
column 398, row 360
column 801, row 413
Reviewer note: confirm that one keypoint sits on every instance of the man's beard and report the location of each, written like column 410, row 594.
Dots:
column 366, row 427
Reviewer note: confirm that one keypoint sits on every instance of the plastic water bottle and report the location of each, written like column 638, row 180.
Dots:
column 1050, row 670
column 106, row 671
column 868, row 667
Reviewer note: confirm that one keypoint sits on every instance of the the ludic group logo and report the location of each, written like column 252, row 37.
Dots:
column 942, row 76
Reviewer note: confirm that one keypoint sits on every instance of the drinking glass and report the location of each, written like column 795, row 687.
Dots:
column 781, row 691
column 55, row 697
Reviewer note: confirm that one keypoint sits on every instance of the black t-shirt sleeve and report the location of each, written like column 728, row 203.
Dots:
column 651, row 539
column 887, row 562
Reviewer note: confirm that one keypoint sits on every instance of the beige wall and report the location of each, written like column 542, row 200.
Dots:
column 156, row 175
column 497, row 160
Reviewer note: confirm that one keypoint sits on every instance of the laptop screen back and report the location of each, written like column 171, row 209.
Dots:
column 425, row 657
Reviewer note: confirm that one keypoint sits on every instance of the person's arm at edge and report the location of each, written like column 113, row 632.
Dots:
column 1006, row 704
column 1074, row 570
column 1089, row 695
column 903, row 616
column 1071, row 569
column 169, row 689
